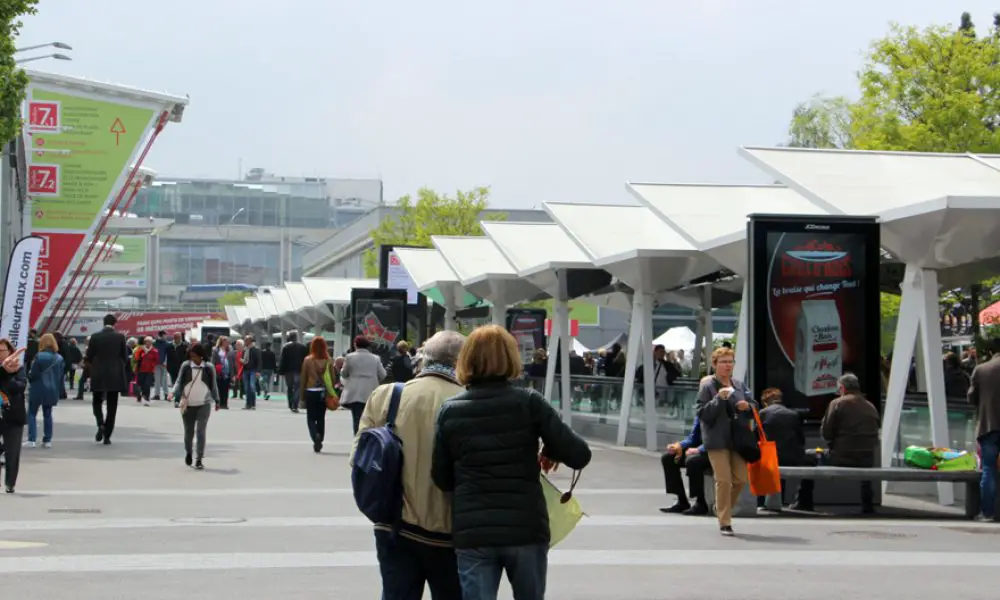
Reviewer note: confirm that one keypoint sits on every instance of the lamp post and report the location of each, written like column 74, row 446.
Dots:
column 32, row 58
column 58, row 45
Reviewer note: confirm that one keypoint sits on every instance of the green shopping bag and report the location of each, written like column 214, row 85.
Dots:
column 954, row 460
column 564, row 509
column 919, row 457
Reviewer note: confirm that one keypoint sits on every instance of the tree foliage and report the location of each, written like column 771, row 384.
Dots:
column 821, row 122
column 233, row 298
column 12, row 79
column 427, row 215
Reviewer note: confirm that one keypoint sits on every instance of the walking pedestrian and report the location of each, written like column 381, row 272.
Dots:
column 250, row 359
column 293, row 353
column 362, row 373
column 13, row 415
column 223, row 373
column 48, row 383
column 148, row 360
column 107, row 359
column 161, row 382
column 196, row 392
column 318, row 382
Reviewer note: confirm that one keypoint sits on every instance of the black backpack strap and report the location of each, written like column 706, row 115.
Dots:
column 397, row 393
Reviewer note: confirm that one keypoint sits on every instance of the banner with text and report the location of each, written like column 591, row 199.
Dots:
column 19, row 290
column 135, row 324
column 81, row 142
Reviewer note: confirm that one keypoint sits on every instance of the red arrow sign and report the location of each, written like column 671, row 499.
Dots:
column 118, row 128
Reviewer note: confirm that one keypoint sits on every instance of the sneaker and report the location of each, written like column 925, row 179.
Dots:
column 727, row 531
column 146, row 403
column 30, row 445
column 157, row 397
column 46, row 445
column 177, row 404
column 187, row 459
column 199, row 466
column 10, row 489
column 763, row 511
column 678, row 508
column 107, row 441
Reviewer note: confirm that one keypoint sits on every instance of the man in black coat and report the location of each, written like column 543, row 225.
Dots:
column 108, row 360
column 293, row 354
column 783, row 426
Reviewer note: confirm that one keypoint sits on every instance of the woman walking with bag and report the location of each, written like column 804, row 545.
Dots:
column 48, row 381
column 196, row 391
column 12, row 414
column 220, row 360
column 317, row 391
column 724, row 410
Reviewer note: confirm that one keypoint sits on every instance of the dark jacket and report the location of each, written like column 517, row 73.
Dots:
column 176, row 355
column 956, row 382
column 14, row 413
column 850, row 428
column 30, row 351
column 162, row 349
column 402, row 368
column 253, row 359
column 716, row 414
column 783, row 426
column 48, row 378
column 984, row 393
column 486, row 453
column 291, row 357
column 268, row 361
column 72, row 356
column 109, row 361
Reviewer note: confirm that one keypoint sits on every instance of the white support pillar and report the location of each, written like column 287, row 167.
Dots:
column 743, row 339
column 648, row 371
column 498, row 312
column 550, row 366
column 565, row 344
column 631, row 361
column 338, row 330
column 918, row 324
column 920, row 369
column 696, row 354
column 450, row 308
column 706, row 307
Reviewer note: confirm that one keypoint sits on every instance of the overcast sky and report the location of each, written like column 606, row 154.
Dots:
column 540, row 99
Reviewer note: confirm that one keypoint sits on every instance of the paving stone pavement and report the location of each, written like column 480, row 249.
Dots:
column 269, row 519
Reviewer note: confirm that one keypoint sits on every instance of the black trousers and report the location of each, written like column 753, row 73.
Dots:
column 223, row 383
column 406, row 566
column 804, row 498
column 697, row 466
column 316, row 415
column 106, row 421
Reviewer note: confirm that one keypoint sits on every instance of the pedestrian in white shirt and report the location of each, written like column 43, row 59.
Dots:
column 197, row 392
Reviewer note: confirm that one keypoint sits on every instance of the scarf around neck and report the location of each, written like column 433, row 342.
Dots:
column 437, row 369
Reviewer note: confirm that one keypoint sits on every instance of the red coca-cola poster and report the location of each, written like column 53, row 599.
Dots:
column 58, row 250
column 814, row 308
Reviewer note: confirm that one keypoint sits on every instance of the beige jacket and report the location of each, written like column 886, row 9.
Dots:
column 426, row 509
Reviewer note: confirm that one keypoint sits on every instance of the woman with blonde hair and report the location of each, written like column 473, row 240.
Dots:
column 486, row 454
column 47, row 378
column 721, row 401
column 319, row 380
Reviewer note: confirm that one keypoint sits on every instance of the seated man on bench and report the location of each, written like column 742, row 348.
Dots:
column 783, row 426
column 850, row 428
column 688, row 453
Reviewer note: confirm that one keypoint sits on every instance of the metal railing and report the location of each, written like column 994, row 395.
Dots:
column 175, row 307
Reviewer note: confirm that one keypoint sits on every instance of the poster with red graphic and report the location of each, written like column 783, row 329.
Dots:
column 58, row 250
column 815, row 307
column 379, row 315
column 530, row 328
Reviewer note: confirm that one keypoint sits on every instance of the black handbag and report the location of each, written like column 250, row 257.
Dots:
column 744, row 437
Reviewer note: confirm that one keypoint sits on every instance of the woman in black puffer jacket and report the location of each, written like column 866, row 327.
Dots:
column 486, row 453
column 13, row 414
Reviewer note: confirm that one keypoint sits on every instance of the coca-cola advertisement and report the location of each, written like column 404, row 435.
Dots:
column 814, row 307
column 380, row 316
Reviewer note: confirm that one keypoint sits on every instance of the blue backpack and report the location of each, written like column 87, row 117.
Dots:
column 377, row 475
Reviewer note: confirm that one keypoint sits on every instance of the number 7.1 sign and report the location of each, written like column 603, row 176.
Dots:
column 44, row 116
column 43, row 180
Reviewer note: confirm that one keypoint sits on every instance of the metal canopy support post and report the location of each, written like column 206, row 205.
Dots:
column 648, row 370
column 699, row 337
column 550, row 364
column 631, row 354
column 706, row 308
column 450, row 293
column 565, row 343
column 918, row 323
column 742, row 338
column 498, row 312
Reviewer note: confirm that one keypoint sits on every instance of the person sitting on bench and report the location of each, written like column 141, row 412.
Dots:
column 688, row 453
column 850, row 428
column 783, row 426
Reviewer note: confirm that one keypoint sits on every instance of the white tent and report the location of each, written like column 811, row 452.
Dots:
column 579, row 348
column 676, row 338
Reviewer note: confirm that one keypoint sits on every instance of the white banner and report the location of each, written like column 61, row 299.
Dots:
column 398, row 278
column 14, row 323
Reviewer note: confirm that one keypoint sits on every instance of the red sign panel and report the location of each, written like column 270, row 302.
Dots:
column 43, row 180
column 574, row 327
column 136, row 324
column 43, row 116
column 58, row 250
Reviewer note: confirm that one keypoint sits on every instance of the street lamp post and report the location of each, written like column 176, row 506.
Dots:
column 59, row 45
column 32, row 58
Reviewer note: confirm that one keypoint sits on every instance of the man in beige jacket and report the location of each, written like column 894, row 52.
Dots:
column 422, row 553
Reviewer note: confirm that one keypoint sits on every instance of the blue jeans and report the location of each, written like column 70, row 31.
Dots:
column 33, row 423
column 292, row 383
column 479, row 571
column 990, row 445
column 250, row 387
column 407, row 565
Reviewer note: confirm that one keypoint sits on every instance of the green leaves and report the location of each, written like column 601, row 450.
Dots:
column 821, row 122
column 232, row 299
column 430, row 214
column 12, row 79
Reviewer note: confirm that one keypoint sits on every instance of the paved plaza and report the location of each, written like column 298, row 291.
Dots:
column 269, row 519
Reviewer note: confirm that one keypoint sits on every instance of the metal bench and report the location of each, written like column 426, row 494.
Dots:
column 969, row 478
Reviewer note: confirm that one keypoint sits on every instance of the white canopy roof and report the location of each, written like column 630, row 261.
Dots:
column 254, row 309
column 267, row 305
column 713, row 218
column 233, row 317
column 243, row 314
column 631, row 243
column 536, row 250
column 282, row 301
column 299, row 296
column 910, row 192
column 334, row 291
column 482, row 268
column 427, row 268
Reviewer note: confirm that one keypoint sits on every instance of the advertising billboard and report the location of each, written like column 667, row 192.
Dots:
column 527, row 325
column 380, row 316
column 814, row 307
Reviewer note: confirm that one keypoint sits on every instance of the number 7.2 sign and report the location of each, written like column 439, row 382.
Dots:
column 44, row 116
column 43, row 180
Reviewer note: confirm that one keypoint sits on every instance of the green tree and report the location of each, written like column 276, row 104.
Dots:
column 12, row 79
column 430, row 214
column 234, row 298
column 821, row 122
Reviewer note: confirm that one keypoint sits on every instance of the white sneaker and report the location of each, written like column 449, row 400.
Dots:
column 30, row 445
column 146, row 403
column 47, row 445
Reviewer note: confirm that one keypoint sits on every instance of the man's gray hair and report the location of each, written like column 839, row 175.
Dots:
column 850, row 383
column 443, row 348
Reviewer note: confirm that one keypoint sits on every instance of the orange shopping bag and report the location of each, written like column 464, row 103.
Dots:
column 764, row 475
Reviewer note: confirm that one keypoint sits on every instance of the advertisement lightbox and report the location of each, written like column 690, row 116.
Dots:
column 813, row 307
column 380, row 316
